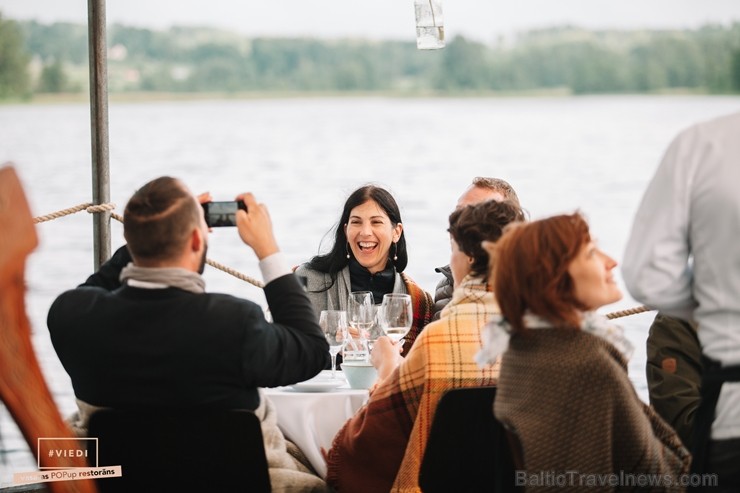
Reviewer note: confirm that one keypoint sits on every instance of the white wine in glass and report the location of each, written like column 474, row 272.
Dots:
column 361, row 311
column 395, row 315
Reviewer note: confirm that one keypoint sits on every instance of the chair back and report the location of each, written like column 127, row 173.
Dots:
column 179, row 450
column 468, row 448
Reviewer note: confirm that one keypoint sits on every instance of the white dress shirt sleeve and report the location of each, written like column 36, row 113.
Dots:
column 274, row 266
column 656, row 263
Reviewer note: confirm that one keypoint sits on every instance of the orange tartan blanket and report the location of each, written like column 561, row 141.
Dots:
column 381, row 447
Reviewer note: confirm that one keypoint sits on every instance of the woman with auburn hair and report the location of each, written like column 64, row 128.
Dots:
column 563, row 387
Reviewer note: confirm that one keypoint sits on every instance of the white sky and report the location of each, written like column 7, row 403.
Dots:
column 484, row 20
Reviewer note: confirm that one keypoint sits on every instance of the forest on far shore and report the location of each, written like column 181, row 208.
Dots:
column 40, row 58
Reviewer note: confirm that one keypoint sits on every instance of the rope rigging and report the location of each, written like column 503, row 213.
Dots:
column 96, row 209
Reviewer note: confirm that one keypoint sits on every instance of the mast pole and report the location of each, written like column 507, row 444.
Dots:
column 96, row 33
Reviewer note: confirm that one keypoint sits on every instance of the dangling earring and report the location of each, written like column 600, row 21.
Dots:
column 395, row 252
column 348, row 255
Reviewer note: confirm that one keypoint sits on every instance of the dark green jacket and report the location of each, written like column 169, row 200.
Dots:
column 674, row 373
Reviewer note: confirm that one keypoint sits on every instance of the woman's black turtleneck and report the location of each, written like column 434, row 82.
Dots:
column 379, row 283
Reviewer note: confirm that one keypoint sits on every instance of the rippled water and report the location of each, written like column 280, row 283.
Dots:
column 302, row 157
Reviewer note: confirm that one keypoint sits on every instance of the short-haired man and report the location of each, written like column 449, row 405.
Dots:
column 480, row 190
column 145, row 335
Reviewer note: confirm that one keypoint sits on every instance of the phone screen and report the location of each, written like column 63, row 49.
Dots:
column 220, row 214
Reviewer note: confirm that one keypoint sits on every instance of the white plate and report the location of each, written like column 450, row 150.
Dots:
column 320, row 383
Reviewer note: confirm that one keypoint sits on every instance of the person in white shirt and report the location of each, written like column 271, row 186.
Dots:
column 683, row 258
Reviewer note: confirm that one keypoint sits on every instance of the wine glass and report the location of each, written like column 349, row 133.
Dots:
column 395, row 315
column 360, row 317
column 361, row 311
column 334, row 325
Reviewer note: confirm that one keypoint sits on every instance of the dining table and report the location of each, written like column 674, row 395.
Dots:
column 311, row 413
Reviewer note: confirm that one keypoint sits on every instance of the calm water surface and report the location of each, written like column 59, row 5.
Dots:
column 302, row 157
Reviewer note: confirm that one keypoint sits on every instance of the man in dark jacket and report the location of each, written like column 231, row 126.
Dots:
column 145, row 334
column 480, row 190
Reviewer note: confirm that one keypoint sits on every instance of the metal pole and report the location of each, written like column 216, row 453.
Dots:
column 96, row 30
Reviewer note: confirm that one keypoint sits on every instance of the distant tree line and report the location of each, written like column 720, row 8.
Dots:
column 14, row 60
column 36, row 57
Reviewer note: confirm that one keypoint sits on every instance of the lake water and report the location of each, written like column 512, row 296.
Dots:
column 302, row 157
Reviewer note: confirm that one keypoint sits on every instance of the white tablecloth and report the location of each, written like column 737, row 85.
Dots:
column 311, row 419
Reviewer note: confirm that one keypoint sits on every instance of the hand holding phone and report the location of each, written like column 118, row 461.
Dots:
column 221, row 214
column 256, row 228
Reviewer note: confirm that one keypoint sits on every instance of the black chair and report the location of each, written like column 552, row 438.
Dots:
column 179, row 451
column 468, row 449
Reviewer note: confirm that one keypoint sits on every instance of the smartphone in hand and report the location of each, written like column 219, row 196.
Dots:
column 220, row 214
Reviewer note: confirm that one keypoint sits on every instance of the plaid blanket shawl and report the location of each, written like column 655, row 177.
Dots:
column 381, row 447
column 423, row 308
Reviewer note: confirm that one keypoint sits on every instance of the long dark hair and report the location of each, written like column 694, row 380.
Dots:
column 334, row 261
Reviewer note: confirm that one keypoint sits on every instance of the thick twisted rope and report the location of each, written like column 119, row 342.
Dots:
column 93, row 209
column 89, row 207
column 234, row 273
column 630, row 311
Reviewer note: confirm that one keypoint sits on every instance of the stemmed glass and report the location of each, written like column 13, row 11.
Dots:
column 334, row 325
column 361, row 311
column 396, row 315
column 360, row 317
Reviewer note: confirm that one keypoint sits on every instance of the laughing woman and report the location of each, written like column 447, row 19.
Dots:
column 563, row 387
column 369, row 254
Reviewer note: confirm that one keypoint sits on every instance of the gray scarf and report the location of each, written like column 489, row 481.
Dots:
column 173, row 277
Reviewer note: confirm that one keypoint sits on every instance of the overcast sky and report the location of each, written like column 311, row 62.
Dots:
column 484, row 20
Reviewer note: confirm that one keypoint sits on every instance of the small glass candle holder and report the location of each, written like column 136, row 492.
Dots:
column 430, row 31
